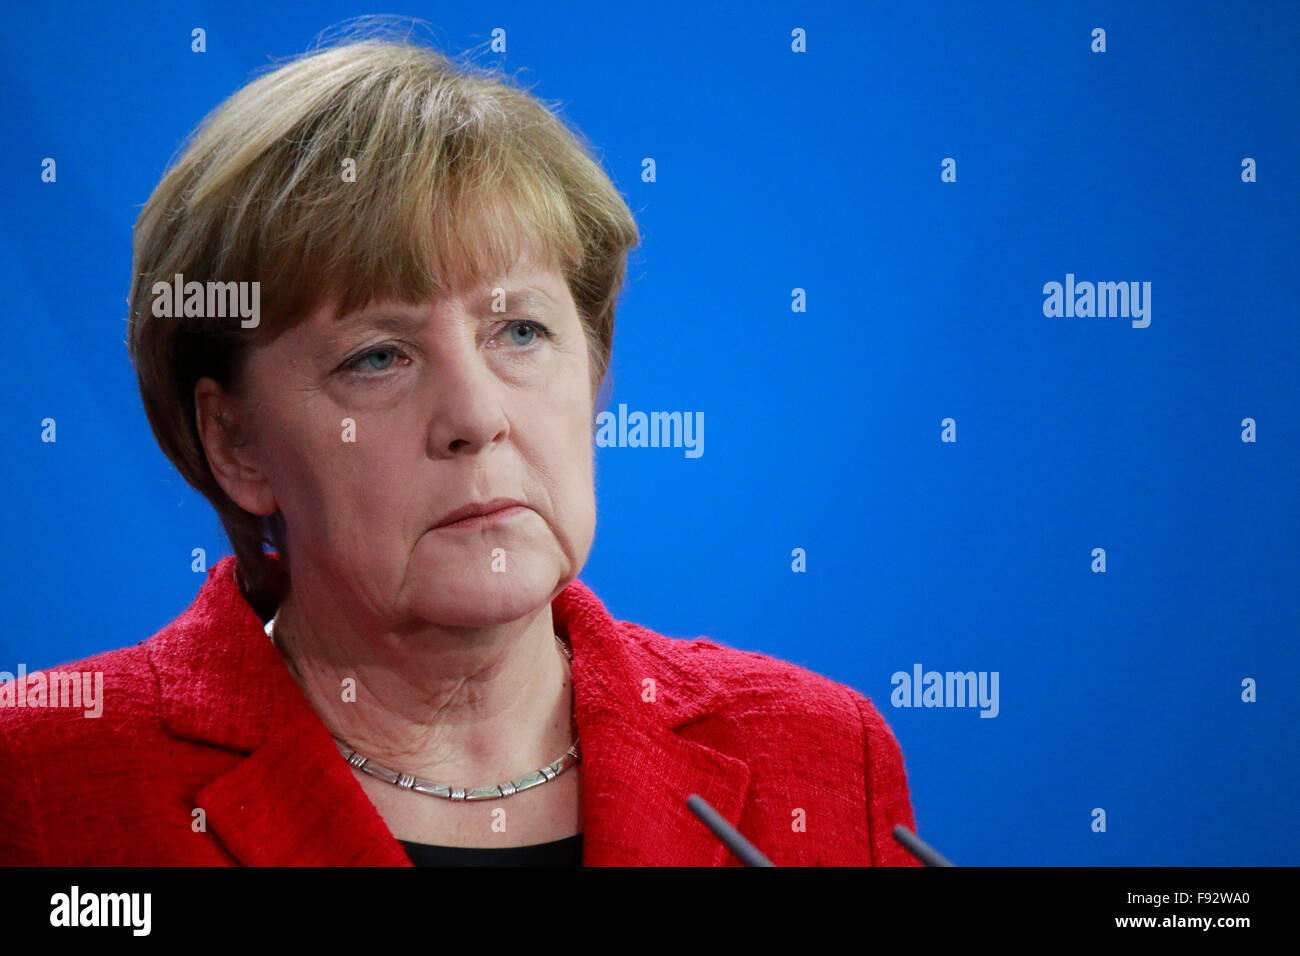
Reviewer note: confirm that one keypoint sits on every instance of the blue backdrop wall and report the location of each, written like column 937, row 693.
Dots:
column 910, row 463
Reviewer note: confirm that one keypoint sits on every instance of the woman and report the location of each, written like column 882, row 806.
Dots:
column 371, row 315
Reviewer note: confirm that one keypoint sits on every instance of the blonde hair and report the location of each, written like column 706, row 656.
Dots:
column 457, row 173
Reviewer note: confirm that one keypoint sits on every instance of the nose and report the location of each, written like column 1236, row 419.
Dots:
column 466, row 401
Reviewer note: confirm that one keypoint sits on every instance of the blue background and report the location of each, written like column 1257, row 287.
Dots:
column 818, row 171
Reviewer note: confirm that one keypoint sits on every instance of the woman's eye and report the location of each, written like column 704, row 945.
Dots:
column 522, row 334
column 531, row 330
column 376, row 360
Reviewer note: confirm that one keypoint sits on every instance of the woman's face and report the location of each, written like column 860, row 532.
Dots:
column 366, row 432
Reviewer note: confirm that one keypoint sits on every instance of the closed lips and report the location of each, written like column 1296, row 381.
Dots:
column 474, row 509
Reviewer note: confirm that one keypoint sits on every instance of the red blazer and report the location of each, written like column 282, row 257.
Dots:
column 205, row 715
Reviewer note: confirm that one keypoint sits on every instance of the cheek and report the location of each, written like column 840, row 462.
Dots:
column 579, row 431
column 560, row 432
column 304, row 474
column 325, row 466
column 580, row 467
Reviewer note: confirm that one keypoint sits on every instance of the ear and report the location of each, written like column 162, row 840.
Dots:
column 231, row 456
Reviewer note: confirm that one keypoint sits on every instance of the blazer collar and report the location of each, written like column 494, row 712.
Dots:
column 293, row 800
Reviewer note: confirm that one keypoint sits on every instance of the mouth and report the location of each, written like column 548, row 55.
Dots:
column 481, row 514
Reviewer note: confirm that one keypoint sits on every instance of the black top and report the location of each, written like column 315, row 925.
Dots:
column 565, row 852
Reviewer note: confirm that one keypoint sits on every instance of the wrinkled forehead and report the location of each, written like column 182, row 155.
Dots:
column 528, row 282
column 531, row 283
column 540, row 296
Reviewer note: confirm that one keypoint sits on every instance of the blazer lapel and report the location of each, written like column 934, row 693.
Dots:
column 634, row 792
column 629, row 704
column 293, row 800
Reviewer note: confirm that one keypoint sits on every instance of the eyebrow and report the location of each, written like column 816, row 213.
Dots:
column 400, row 320
column 386, row 319
column 528, row 297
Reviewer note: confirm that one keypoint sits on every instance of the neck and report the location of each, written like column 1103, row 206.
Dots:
column 466, row 706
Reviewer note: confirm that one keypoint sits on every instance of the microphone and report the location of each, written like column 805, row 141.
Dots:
column 919, row 848
column 745, row 851
column 750, row 855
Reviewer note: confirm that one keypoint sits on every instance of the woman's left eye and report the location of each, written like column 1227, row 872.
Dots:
column 531, row 326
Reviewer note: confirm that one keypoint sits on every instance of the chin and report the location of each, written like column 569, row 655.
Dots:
column 474, row 597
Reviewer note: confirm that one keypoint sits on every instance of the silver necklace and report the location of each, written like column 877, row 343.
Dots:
column 406, row 781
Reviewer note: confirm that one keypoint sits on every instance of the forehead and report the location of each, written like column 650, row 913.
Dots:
column 527, row 289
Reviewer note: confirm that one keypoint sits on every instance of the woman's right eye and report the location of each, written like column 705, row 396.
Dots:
column 378, row 359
